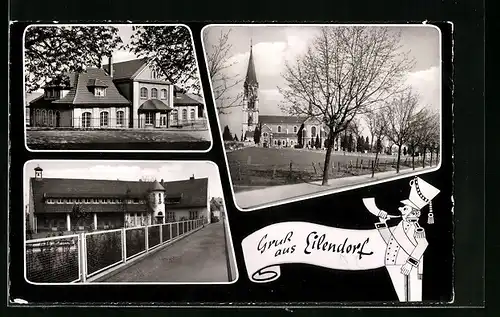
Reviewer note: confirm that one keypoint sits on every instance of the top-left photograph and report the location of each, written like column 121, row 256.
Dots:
column 113, row 87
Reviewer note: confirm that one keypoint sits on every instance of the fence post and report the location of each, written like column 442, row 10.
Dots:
column 170, row 231
column 83, row 257
column 178, row 229
column 146, row 238
column 373, row 168
column 161, row 234
column 124, row 245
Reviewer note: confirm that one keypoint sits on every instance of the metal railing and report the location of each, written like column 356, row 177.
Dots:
column 76, row 258
column 111, row 123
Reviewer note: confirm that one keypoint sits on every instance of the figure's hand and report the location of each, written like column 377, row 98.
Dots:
column 406, row 268
column 382, row 215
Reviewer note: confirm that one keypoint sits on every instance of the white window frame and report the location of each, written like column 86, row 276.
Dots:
column 99, row 91
column 104, row 115
column 279, row 129
column 120, row 117
column 142, row 90
column 192, row 114
column 86, row 119
column 149, row 118
column 154, row 93
column 163, row 93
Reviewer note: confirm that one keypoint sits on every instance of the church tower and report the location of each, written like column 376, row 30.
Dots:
column 250, row 99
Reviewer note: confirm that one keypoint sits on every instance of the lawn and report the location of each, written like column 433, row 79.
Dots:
column 255, row 167
column 118, row 140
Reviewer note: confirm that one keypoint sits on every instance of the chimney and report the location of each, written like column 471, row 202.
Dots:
column 162, row 183
column 192, row 177
column 38, row 173
column 110, row 66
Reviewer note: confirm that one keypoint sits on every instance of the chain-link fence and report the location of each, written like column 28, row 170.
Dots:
column 154, row 237
column 54, row 120
column 76, row 258
column 53, row 260
column 135, row 241
column 103, row 250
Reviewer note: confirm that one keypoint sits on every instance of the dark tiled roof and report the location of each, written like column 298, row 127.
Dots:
column 82, row 95
column 196, row 97
column 154, row 104
column 284, row 135
column 251, row 78
column 99, row 208
column 281, row 119
column 127, row 69
column 185, row 99
column 194, row 192
column 94, row 82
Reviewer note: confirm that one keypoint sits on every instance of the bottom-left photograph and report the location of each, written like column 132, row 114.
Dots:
column 112, row 222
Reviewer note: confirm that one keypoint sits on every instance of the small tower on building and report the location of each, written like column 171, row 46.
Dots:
column 157, row 202
column 38, row 173
column 250, row 98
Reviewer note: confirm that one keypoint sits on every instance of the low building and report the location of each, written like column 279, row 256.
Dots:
column 119, row 95
column 217, row 208
column 57, row 204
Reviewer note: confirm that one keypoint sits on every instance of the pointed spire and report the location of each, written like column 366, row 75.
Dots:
column 251, row 79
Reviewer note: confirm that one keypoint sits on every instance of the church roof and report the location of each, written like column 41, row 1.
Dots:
column 251, row 78
column 270, row 119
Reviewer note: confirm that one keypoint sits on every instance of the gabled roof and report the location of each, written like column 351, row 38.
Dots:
column 186, row 99
column 194, row 191
column 154, row 104
column 127, row 69
column 271, row 119
column 82, row 95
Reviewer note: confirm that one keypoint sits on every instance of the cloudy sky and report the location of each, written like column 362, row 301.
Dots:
column 131, row 171
column 273, row 45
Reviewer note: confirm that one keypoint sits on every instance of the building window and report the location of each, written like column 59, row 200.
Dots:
column 159, row 198
column 86, row 119
column 291, row 142
column 120, row 115
column 163, row 94
column 44, row 117
column 313, row 132
column 99, row 91
column 163, row 121
column 200, row 111
column 144, row 92
column 264, row 134
column 175, row 115
column 279, row 129
column 275, row 142
column 103, row 119
column 294, row 129
column 192, row 114
column 184, row 114
column 150, row 117
column 170, row 216
column 154, row 93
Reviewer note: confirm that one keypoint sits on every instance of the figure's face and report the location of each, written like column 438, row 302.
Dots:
column 409, row 214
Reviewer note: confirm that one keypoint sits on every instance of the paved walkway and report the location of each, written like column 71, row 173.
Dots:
column 199, row 257
column 259, row 197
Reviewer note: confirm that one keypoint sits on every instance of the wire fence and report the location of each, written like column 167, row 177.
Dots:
column 53, row 122
column 76, row 258
column 304, row 171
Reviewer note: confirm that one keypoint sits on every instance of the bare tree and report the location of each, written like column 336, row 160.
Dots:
column 345, row 71
column 430, row 135
column 399, row 116
column 418, row 129
column 218, row 62
column 379, row 131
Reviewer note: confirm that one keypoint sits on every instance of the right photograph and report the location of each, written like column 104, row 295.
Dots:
column 309, row 110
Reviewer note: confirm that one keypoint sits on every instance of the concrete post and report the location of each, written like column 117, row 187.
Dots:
column 124, row 245
column 95, row 221
column 68, row 222
column 146, row 238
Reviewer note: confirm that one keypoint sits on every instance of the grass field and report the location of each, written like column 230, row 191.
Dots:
column 256, row 167
column 117, row 140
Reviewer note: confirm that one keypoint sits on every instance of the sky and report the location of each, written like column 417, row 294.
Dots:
column 131, row 171
column 273, row 45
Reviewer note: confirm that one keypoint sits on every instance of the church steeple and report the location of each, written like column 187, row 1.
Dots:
column 251, row 79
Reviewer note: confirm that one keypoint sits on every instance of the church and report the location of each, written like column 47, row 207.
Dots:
column 277, row 130
column 57, row 204
column 128, row 94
